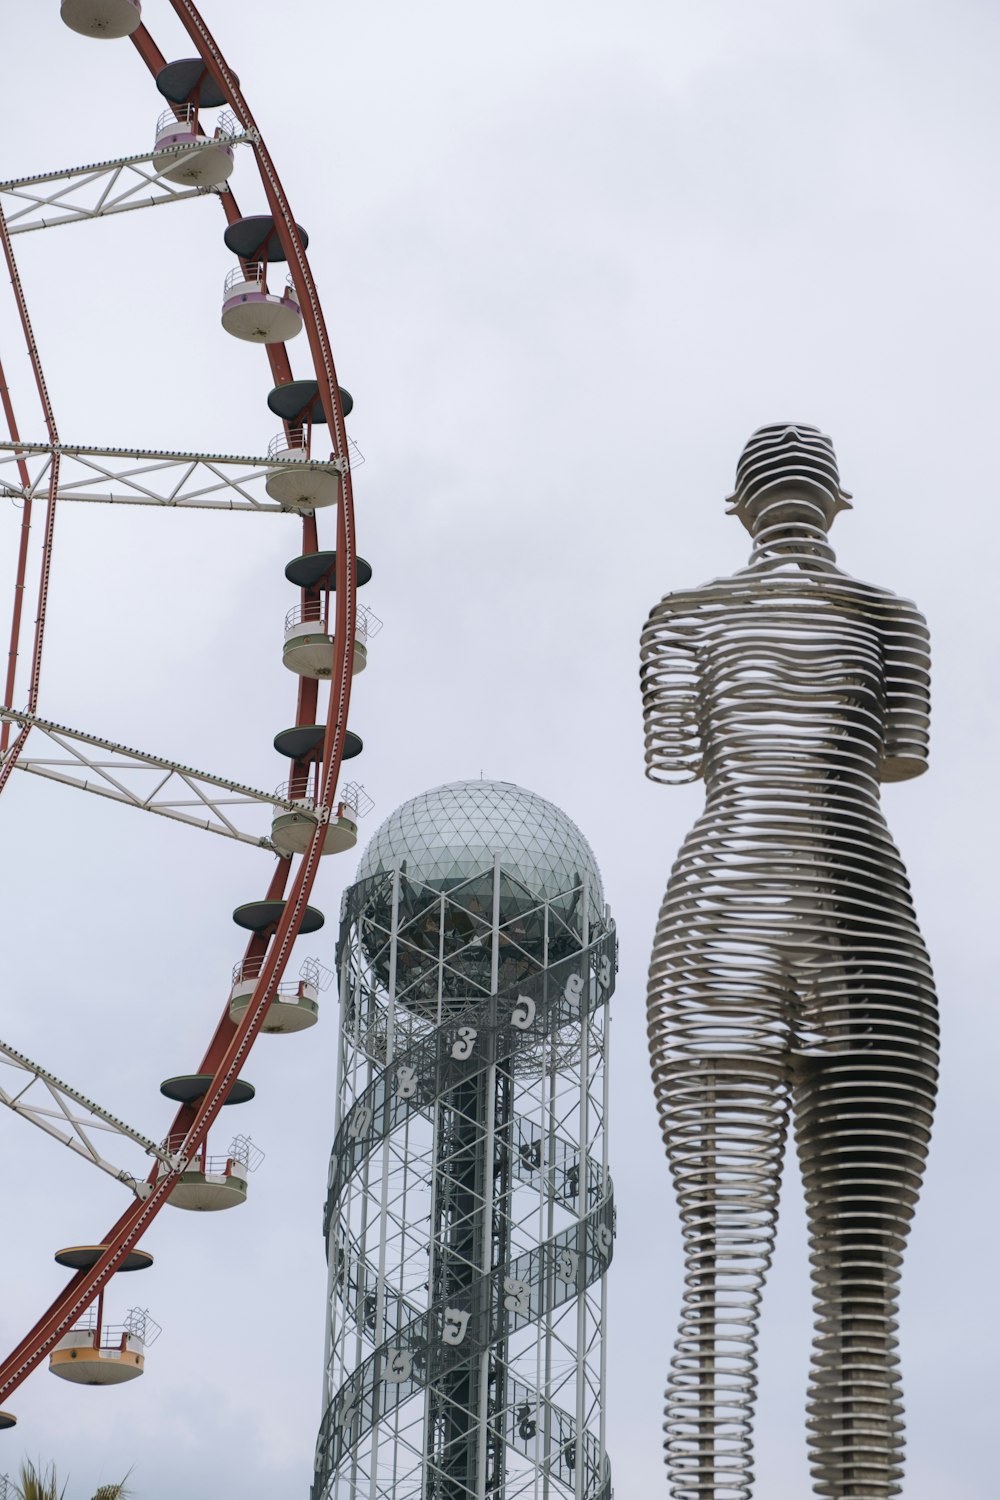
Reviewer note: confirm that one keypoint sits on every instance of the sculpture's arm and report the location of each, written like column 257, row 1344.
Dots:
column 669, row 679
column 906, row 665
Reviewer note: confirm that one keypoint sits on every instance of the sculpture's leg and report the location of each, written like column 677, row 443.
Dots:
column 724, row 1120
column 863, row 1118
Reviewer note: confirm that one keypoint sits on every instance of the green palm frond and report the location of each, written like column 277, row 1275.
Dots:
column 111, row 1492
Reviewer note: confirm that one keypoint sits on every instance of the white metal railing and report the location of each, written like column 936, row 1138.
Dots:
column 285, row 793
column 242, row 1153
column 185, row 118
column 315, row 973
column 311, row 972
column 345, row 807
column 180, row 115
column 248, row 968
column 244, row 276
column 291, row 443
column 254, row 274
column 214, row 1166
column 242, row 1149
column 137, row 1324
column 296, row 442
column 367, row 623
column 288, row 989
column 354, row 793
column 372, row 623
column 354, row 803
column 313, row 611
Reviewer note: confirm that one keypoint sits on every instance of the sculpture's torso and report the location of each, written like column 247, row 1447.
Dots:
column 787, row 692
column 784, row 673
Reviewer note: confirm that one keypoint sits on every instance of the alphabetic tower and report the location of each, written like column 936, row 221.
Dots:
column 469, row 1218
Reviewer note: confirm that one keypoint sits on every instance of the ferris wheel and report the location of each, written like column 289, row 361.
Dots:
column 269, row 297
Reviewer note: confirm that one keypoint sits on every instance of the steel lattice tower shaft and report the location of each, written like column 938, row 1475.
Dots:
column 469, row 1216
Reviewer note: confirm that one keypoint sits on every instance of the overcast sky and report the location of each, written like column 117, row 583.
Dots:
column 570, row 255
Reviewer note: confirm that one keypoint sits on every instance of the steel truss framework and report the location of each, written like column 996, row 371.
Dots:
column 55, row 1107
column 39, row 475
column 184, row 481
column 138, row 476
column 470, row 1217
column 70, row 1117
column 143, row 781
column 103, row 188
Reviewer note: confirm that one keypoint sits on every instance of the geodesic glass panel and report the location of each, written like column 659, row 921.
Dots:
column 455, row 831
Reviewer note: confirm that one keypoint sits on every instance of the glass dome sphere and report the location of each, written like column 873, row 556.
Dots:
column 445, row 842
column 455, row 831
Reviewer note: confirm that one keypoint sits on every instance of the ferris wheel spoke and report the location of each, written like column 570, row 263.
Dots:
column 99, row 189
column 147, row 782
column 46, row 1101
column 173, row 480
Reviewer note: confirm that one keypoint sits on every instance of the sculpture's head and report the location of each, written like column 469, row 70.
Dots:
column 788, row 471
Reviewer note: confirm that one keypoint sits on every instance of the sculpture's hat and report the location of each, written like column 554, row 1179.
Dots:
column 788, row 456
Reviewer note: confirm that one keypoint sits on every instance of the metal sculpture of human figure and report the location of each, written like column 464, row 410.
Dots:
column 788, row 979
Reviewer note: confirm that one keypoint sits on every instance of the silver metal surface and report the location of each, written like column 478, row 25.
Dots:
column 789, row 981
